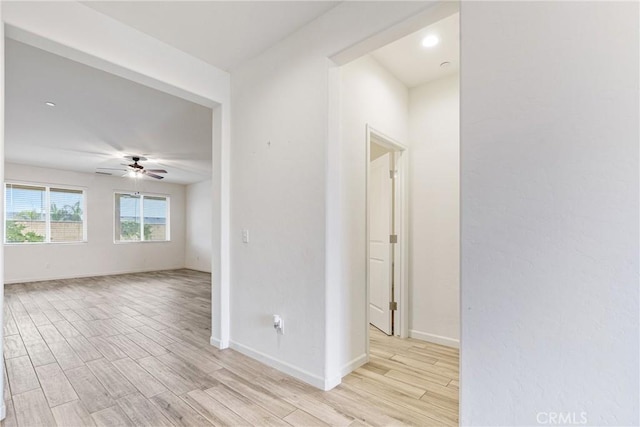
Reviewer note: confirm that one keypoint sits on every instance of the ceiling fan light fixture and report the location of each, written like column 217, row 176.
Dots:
column 136, row 170
column 135, row 158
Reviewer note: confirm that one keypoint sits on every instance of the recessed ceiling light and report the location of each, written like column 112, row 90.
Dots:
column 50, row 104
column 430, row 41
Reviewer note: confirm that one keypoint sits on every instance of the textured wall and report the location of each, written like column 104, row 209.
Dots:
column 434, row 129
column 549, row 148
column 198, row 241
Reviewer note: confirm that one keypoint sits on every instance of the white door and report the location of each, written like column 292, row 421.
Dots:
column 380, row 217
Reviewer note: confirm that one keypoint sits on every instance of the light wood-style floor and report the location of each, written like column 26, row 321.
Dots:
column 134, row 350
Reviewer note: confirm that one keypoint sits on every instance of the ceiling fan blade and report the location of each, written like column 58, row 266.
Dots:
column 113, row 169
column 153, row 175
column 156, row 170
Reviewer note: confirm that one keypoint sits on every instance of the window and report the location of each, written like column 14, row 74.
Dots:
column 43, row 214
column 141, row 217
column 66, row 215
column 155, row 217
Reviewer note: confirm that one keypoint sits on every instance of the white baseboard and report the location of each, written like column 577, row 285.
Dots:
column 330, row 383
column 215, row 342
column 196, row 268
column 436, row 339
column 354, row 364
column 82, row 276
column 294, row 371
column 349, row 367
column 218, row 343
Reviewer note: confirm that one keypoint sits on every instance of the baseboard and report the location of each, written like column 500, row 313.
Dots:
column 218, row 343
column 354, row 364
column 82, row 276
column 330, row 383
column 294, row 371
column 436, row 339
column 188, row 267
column 215, row 342
column 349, row 367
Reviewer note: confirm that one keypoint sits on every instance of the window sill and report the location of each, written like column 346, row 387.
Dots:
column 127, row 242
column 44, row 243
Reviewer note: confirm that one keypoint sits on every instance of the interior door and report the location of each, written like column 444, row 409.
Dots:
column 380, row 226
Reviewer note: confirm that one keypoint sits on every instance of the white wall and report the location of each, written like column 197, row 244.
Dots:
column 198, row 226
column 369, row 95
column 99, row 255
column 434, row 198
column 3, row 408
column 284, row 190
column 550, row 131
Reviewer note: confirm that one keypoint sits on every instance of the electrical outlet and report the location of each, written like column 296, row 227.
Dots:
column 245, row 236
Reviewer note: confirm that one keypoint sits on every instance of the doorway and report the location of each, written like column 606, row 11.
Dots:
column 182, row 76
column 404, row 96
column 386, row 233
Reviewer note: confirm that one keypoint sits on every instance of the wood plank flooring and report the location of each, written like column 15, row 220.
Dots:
column 133, row 350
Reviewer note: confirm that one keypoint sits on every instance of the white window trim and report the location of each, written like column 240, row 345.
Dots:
column 142, row 196
column 48, row 187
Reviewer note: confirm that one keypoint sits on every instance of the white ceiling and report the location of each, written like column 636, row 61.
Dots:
column 99, row 118
column 414, row 64
column 222, row 33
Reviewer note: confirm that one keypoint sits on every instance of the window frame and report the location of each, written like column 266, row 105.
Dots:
column 142, row 195
column 47, row 198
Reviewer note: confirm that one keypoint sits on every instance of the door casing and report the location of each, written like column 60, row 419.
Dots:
column 401, row 223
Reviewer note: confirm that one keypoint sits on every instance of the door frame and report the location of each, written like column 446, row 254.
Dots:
column 400, row 224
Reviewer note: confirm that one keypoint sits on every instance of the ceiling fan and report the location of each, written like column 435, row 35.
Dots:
column 135, row 169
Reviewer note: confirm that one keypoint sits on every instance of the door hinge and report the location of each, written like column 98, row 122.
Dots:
column 393, row 305
column 393, row 174
column 393, row 238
